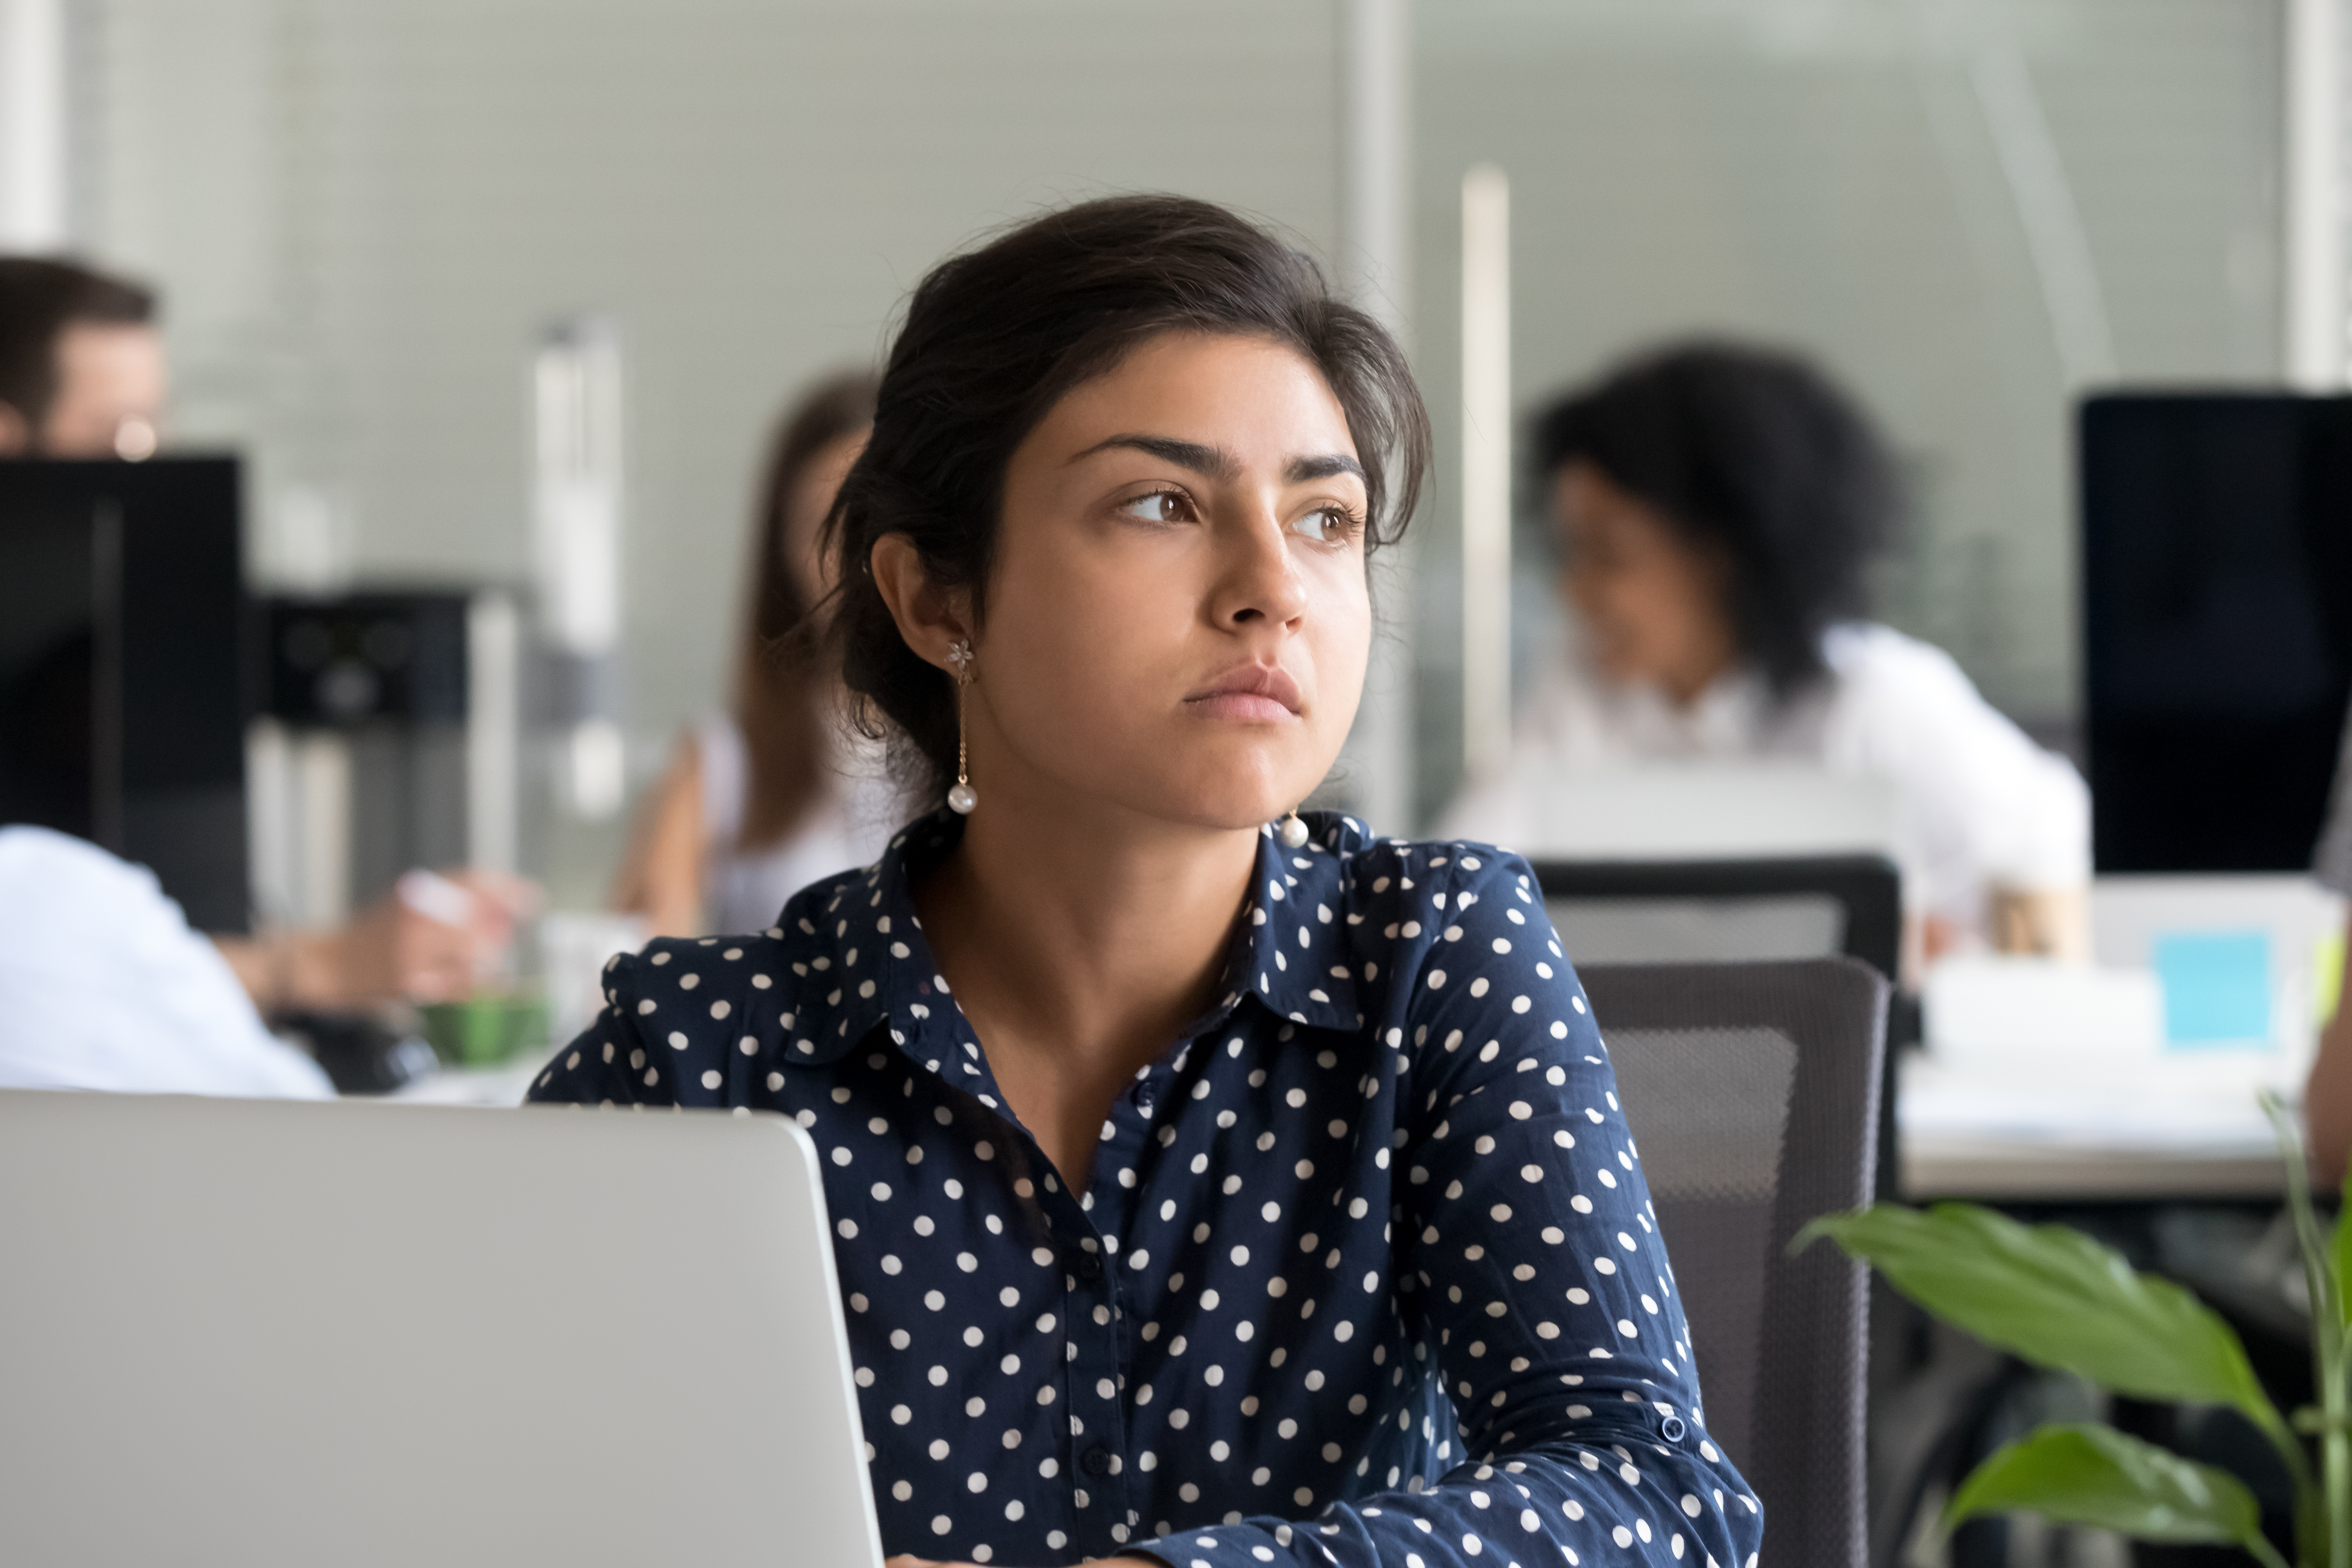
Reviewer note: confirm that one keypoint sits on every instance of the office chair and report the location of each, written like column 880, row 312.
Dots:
column 1650, row 911
column 1851, row 904
column 1751, row 1089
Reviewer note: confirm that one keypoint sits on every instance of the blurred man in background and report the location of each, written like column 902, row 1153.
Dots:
column 103, row 985
column 81, row 364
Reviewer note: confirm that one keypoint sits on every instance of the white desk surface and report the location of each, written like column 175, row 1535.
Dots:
column 2016, row 1137
column 505, row 1084
column 2177, row 1129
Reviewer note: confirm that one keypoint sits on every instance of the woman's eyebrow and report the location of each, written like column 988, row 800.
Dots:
column 1214, row 462
column 1329, row 465
column 1217, row 463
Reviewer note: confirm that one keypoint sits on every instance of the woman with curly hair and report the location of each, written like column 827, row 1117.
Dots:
column 1716, row 507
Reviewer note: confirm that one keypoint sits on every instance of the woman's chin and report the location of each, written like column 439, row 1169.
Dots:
column 1214, row 786
column 1230, row 808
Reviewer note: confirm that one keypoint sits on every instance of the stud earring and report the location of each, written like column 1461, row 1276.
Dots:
column 962, row 797
column 1294, row 831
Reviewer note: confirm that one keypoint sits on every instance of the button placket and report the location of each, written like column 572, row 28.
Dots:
column 1100, row 1369
column 1095, row 1431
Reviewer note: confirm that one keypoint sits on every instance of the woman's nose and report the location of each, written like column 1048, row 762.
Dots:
column 1258, row 580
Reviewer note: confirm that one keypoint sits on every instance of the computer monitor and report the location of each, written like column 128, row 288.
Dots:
column 2217, row 615
column 123, row 667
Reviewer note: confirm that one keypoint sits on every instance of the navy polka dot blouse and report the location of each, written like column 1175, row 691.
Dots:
column 1365, row 1271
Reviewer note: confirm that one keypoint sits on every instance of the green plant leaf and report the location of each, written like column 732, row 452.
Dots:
column 2058, row 1299
column 2095, row 1476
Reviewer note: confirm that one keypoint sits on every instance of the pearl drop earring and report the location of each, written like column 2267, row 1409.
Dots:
column 962, row 797
column 1294, row 831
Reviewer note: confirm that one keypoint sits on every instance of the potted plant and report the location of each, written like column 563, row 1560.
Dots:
column 2055, row 1298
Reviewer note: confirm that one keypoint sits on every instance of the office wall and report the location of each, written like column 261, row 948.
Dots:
column 361, row 212
column 1967, row 210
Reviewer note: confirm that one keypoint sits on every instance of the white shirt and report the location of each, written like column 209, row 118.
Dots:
column 1979, row 803
column 848, row 824
column 103, row 986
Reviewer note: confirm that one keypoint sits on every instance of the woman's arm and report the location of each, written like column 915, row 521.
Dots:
column 392, row 950
column 1529, row 1254
column 2327, row 1096
column 661, row 876
column 1991, row 818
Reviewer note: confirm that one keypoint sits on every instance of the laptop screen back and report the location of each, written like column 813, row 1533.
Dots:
column 271, row 1334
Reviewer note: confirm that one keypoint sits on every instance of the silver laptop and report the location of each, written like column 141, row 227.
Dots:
column 272, row 1333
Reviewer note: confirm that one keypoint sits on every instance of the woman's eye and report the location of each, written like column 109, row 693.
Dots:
column 1160, row 505
column 1326, row 525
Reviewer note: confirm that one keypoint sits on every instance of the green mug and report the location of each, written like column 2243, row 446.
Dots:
column 486, row 1029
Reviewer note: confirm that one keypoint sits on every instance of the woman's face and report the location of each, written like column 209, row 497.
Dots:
column 1652, row 605
column 1178, row 617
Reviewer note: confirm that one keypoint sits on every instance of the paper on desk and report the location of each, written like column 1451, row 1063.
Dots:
column 505, row 1084
column 2201, row 1105
column 1995, row 1009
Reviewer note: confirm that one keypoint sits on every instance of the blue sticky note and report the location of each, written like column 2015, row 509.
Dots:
column 2217, row 986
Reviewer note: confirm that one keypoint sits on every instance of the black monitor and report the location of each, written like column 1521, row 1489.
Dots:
column 2217, row 618
column 124, row 670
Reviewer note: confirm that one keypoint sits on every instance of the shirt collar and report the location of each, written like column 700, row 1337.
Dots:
column 1294, row 947
column 860, row 960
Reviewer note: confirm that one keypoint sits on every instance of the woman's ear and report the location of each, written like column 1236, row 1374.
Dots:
column 930, row 617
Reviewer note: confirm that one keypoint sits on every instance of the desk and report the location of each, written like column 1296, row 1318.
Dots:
column 504, row 1085
column 1995, row 1171
column 2011, row 1137
column 2186, row 1130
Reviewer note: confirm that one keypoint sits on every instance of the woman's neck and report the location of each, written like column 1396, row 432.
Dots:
column 1688, row 679
column 1080, row 940
column 1084, row 924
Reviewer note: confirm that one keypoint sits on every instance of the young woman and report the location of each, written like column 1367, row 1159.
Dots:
column 768, row 796
column 1213, row 1185
column 1716, row 508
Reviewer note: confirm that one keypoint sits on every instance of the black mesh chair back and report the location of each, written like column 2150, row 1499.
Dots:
column 1752, row 1092
column 1667, row 911
column 1716, row 912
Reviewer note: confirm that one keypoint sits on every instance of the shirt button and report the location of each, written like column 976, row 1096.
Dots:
column 1672, row 1430
column 1143, row 1097
column 1097, row 1461
column 1087, row 1267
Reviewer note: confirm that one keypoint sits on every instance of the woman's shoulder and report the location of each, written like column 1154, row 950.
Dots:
column 782, row 967
column 1868, row 659
column 1379, row 884
column 1364, row 858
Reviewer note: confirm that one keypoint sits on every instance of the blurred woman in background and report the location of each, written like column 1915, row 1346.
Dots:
column 1717, row 509
column 777, row 792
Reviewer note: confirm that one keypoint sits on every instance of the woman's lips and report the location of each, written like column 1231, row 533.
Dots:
column 1243, row 705
column 1255, row 693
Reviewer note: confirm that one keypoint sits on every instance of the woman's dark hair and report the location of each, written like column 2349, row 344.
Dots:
column 779, row 700
column 995, row 337
column 1754, row 453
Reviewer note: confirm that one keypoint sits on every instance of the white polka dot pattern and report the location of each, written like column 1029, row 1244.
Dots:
column 1365, row 1271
